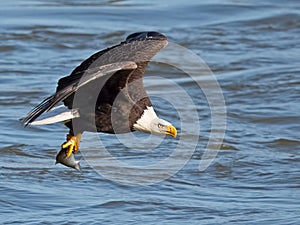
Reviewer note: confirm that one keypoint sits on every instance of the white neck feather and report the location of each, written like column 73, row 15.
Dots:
column 144, row 123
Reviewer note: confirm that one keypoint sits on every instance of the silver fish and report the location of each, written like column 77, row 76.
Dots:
column 70, row 161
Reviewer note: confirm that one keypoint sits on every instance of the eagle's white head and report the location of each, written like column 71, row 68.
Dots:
column 150, row 123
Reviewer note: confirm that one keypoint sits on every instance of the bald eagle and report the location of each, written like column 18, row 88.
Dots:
column 105, row 93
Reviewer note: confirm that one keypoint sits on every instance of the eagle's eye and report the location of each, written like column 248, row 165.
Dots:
column 160, row 125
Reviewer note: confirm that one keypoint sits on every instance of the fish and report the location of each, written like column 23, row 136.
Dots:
column 70, row 161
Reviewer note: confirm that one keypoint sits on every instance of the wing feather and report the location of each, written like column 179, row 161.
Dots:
column 88, row 76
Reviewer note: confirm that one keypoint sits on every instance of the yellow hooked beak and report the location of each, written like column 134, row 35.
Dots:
column 171, row 131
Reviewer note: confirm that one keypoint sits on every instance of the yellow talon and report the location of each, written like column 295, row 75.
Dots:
column 72, row 144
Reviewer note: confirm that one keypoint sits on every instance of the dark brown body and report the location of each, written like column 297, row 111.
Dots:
column 113, row 102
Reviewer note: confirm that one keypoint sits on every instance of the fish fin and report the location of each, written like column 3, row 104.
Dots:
column 77, row 166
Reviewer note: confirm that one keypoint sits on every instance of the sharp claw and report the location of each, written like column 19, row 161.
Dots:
column 72, row 144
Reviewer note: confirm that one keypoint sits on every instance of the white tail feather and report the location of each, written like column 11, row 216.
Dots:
column 62, row 117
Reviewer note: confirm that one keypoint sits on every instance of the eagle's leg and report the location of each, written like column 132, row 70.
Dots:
column 72, row 144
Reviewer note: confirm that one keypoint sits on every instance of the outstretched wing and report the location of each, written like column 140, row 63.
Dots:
column 72, row 86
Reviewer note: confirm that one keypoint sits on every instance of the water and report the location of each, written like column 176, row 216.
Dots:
column 253, row 49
